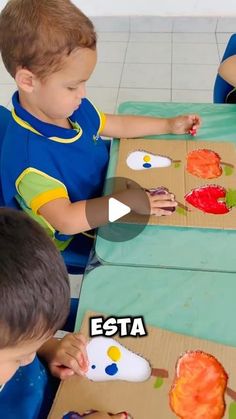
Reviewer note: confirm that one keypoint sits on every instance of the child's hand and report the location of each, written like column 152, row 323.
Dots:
column 149, row 202
column 158, row 203
column 67, row 356
column 183, row 124
column 99, row 415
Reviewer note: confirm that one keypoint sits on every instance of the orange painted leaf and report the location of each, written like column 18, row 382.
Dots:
column 199, row 387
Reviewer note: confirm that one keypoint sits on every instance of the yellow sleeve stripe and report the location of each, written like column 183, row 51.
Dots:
column 23, row 123
column 46, row 197
column 102, row 122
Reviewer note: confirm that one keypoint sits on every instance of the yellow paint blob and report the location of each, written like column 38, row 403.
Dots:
column 114, row 353
column 146, row 158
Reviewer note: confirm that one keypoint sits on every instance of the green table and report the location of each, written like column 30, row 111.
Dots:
column 174, row 247
column 196, row 303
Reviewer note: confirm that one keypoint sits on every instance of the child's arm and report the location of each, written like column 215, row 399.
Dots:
column 67, row 356
column 72, row 218
column 227, row 70
column 128, row 126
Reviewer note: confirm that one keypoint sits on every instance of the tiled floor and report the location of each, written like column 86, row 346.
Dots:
column 178, row 67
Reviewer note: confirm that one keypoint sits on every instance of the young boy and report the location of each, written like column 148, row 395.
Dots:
column 53, row 158
column 34, row 303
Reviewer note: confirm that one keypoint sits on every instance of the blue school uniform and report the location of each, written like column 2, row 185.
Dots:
column 29, row 393
column 41, row 162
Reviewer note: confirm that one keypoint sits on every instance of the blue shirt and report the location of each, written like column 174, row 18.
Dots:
column 29, row 393
column 41, row 162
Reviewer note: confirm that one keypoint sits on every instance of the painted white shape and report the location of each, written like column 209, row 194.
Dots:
column 131, row 367
column 136, row 159
column 117, row 209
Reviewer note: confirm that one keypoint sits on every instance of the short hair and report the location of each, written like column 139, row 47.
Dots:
column 39, row 34
column 34, row 284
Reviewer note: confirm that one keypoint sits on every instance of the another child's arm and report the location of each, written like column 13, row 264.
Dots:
column 67, row 356
column 227, row 70
column 129, row 126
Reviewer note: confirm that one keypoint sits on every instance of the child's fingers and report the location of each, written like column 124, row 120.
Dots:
column 163, row 204
column 78, row 355
column 78, row 346
column 69, row 361
column 61, row 372
column 100, row 415
column 195, row 119
column 162, row 198
column 81, row 338
column 159, row 212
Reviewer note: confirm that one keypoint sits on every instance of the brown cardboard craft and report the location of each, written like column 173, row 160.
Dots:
column 178, row 180
column 149, row 399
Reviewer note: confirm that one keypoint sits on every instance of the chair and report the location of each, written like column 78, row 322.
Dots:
column 221, row 87
column 75, row 262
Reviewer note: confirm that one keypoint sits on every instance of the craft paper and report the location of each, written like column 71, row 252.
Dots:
column 195, row 167
column 141, row 160
column 208, row 369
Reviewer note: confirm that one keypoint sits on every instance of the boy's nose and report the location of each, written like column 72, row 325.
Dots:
column 81, row 91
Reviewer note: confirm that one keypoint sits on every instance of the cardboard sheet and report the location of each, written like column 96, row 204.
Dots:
column 179, row 181
column 149, row 399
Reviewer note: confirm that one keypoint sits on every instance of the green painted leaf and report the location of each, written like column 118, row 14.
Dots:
column 181, row 211
column 158, row 383
column 232, row 410
column 228, row 170
column 231, row 198
column 176, row 165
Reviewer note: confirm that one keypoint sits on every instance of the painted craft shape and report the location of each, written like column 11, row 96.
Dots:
column 199, row 387
column 109, row 360
column 75, row 415
column 141, row 160
column 207, row 164
column 212, row 199
column 204, row 163
column 72, row 415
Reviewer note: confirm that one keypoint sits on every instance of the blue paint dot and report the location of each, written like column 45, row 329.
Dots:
column 93, row 367
column 111, row 369
column 147, row 165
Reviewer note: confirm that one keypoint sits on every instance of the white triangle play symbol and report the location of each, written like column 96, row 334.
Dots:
column 117, row 210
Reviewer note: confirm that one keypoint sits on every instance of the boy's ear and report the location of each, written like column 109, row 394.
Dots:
column 25, row 80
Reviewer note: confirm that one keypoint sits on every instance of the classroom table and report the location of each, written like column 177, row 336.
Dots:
column 175, row 247
column 195, row 303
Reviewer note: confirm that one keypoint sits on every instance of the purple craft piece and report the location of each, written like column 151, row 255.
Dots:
column 72, row 415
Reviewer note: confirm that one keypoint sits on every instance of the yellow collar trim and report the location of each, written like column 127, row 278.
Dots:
column 26, row 125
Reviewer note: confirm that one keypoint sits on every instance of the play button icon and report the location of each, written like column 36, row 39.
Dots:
column 115, row 214
column 117, row 210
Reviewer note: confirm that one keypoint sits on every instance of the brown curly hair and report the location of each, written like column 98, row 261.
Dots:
column 38, row 35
